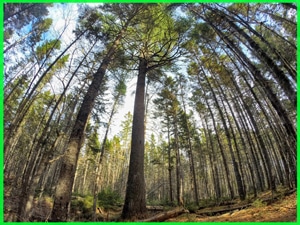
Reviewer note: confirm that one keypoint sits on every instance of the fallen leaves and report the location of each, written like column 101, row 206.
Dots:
column 280, row 211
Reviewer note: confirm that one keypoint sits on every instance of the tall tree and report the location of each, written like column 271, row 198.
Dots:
column 63, row 192
column 153, row 49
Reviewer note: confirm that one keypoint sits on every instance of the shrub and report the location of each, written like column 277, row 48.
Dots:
column 108, row 198
column 82, row 206
column 192, row 207
column 258, row 203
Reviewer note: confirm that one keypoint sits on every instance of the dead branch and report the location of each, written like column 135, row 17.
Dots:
column 166, row 215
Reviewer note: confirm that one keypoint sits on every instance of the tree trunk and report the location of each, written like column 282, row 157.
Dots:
column 213, row 160
column 135, row 199
column 227, row 133
column 190, row 150
column 285, row 63
column 169, row 163
column 46, row 155
column 179, row 177
column 67, row 173
column 278, row 74
column 282, row 113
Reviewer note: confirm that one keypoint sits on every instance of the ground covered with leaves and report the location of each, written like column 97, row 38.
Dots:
column 280, row 210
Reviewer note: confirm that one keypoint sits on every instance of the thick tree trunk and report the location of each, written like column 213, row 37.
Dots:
column 135, row 199
column 67, row 173
column 46, row 155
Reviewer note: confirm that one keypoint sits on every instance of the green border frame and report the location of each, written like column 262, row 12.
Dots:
column 123, row 1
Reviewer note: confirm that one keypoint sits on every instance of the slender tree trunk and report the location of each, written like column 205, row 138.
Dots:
column 26, row 205
column 7, row 15
column 239, row 167
column 218, row 138
column 278, row 74
column 259, row 79
column 213, row 160
column 190, row 151
column 244, row 146
column 179, row 178
column 27, row 102
column 46, row 155
column 227, row 133
column 283, row 143
column 98, row 165
column 135, row 199
column 285, row 63
column 169, row 162
column 18, row 41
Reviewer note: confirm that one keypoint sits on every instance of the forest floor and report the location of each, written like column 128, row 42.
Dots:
column 280, row 207
column 281, row 210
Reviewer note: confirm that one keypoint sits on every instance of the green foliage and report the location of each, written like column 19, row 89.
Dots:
column 121, row 88
column 108, row 198
column 83, row 204
column 93, row 140
column 18, row 15
column 202, row 31
column 39, row 28
column 192, row 207
column 126, row 126
column 45, row 49
column 258, row 203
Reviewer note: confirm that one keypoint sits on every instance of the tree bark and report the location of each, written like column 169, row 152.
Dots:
column 135, row 199
column 63, row 191
column 179, row 175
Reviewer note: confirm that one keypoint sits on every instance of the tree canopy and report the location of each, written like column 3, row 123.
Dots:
column 131, row 105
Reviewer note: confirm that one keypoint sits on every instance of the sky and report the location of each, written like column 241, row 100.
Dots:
column 63, row 15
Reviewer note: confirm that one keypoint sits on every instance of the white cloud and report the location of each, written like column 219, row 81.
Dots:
column 64, row 17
